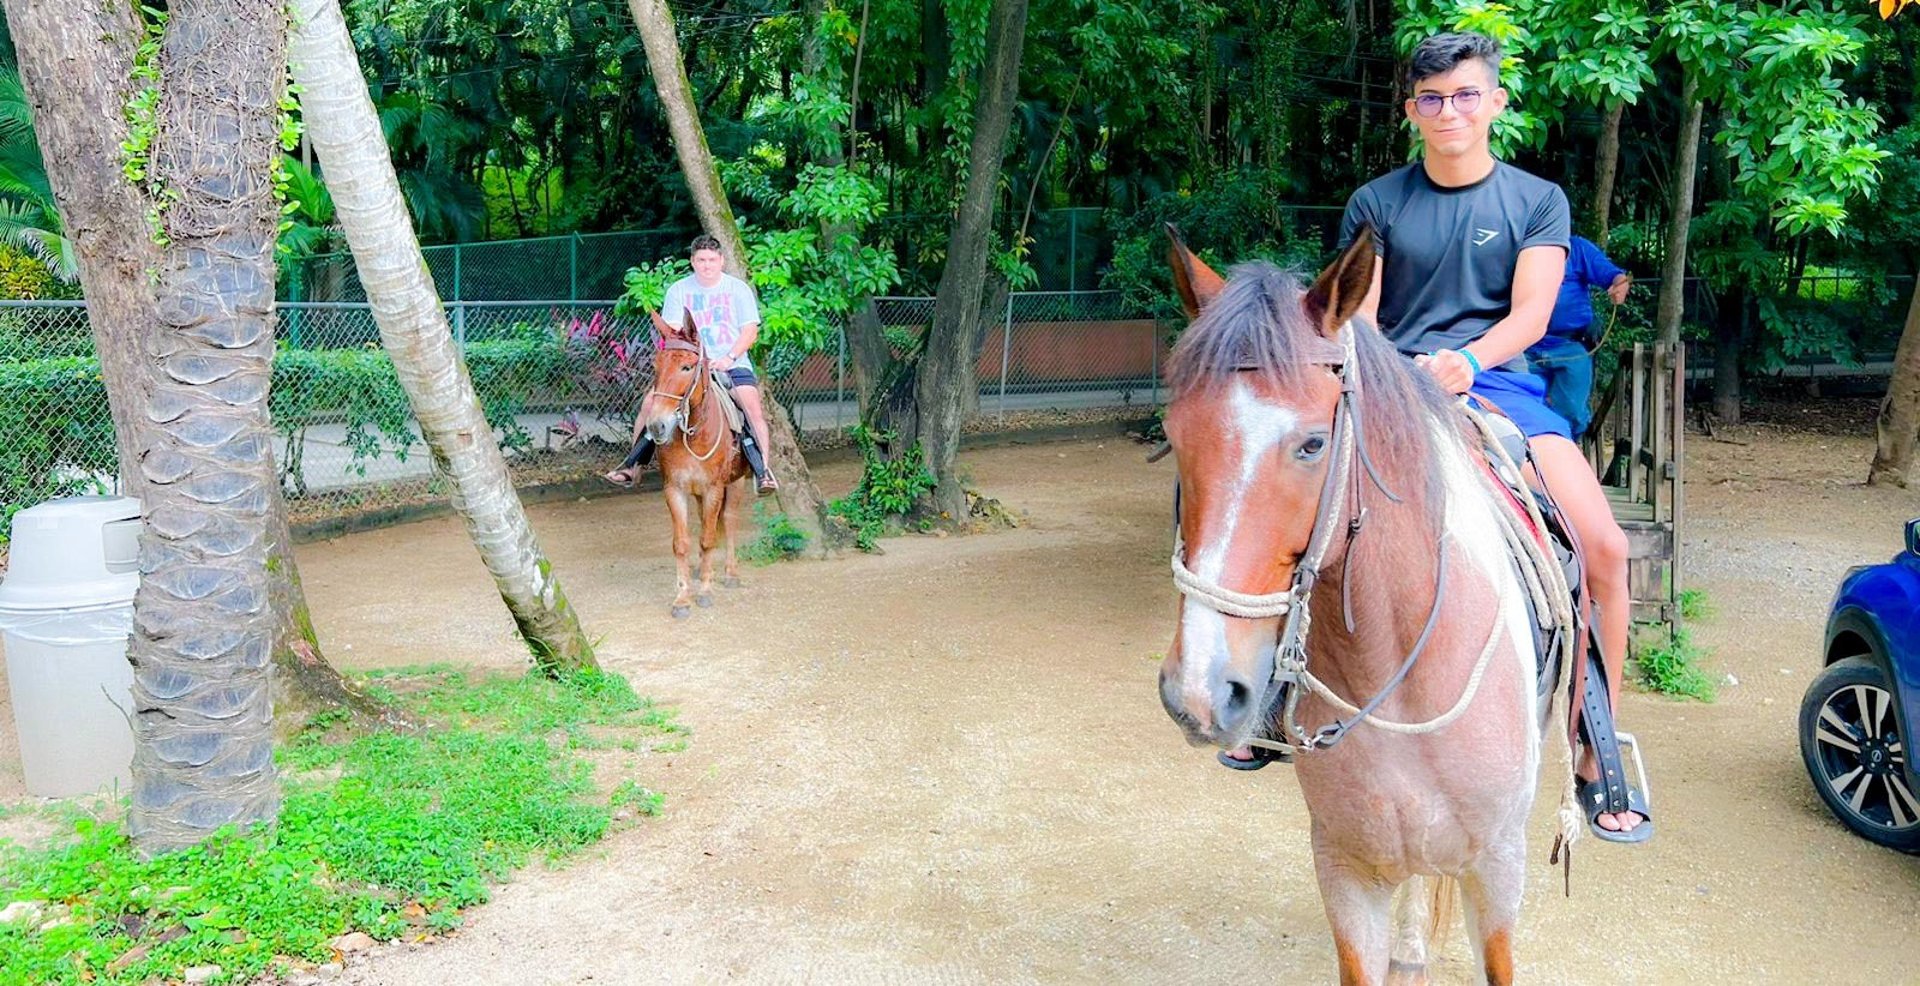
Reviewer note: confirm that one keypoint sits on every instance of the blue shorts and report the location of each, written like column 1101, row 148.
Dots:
column 1523, row 397
column 740, row 376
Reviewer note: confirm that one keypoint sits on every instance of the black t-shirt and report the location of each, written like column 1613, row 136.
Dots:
column 1450, row 253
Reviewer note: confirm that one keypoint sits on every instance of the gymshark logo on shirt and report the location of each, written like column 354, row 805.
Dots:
column 1482, row 237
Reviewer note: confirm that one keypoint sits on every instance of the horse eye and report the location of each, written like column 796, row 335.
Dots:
column 1311, row 449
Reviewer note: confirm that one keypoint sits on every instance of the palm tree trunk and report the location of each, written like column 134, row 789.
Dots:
column 346, row 135
column 799, row 497
column 946, row 367
column 1899, row 422
column 203, row 620
column 74, row 58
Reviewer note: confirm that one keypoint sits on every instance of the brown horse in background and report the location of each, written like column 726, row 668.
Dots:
column 699, row 456
column 1307, row 444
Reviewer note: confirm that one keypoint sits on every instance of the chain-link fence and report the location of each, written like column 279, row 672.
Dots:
column 559, row 381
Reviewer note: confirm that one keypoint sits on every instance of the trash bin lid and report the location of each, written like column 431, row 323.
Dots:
column 73, row 553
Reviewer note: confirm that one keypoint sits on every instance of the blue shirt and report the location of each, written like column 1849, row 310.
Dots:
column 1587, row 268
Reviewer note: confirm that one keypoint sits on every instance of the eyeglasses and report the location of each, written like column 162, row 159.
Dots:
column 1428, row 104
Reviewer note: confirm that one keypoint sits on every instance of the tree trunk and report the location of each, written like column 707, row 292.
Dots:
column 203, row 620
column 799, row 497
column 1606, row 168
column 940, row 387
column 1672, row 310
column 346, row 135
column 1729, row 338
column 1899, row 423
column 75, row 58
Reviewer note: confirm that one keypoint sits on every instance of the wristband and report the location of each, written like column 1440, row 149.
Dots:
column 1472, row 360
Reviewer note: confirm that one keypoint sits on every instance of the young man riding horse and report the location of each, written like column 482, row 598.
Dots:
column 728, row 316
column 1469, row 256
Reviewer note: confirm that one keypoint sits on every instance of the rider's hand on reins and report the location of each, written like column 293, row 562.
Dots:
column 1449, row 369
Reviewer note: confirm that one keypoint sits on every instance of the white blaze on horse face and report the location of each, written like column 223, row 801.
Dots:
column 1258, row 428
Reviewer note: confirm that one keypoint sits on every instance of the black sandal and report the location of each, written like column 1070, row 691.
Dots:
column 1609, row 792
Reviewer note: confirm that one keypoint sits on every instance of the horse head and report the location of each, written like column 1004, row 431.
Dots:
column 1255, row 384
column 679, row 364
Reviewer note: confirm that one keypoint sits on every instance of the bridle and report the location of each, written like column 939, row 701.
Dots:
column 1292, row 604
column 688, row 401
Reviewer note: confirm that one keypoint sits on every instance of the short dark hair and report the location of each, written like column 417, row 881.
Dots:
column 1442, row 53
column 705, row 242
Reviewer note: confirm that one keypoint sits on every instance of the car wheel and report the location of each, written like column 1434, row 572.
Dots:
column 1850, row 740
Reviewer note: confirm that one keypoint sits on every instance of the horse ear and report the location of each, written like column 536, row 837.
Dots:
column 661, row 325
column 1338, row 291
column 1197, row 283
column 688, row 330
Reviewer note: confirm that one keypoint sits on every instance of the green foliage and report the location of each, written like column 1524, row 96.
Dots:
column 889, row 488
column 780, row 539
column 1694, row 605
column 1227, row 221
column 142, row 120
column 1668, row 662
column 385, row 833
column 56, row 434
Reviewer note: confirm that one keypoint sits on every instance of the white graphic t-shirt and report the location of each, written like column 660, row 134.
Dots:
column 720, row 312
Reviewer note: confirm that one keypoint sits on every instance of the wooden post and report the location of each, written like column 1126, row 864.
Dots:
column 1637, row 421
column 1679, row 471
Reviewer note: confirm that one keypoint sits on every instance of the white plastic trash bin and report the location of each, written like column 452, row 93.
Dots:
column 66, row 609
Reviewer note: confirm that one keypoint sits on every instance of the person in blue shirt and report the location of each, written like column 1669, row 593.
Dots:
column 1561, row 356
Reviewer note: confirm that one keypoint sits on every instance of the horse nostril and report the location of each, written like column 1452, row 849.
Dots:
column 1239, row 697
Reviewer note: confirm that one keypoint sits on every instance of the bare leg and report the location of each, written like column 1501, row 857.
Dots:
column 1574, row 487
column 749, row 398
column 682, row 543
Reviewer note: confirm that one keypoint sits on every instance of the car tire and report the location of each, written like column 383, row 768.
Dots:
column 1850, row 743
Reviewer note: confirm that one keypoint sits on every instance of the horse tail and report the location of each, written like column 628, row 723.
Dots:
column 1443, row 901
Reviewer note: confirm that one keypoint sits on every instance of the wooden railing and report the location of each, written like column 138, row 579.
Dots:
column 1637, row 446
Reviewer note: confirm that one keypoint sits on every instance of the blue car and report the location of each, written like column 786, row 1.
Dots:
column 1858, row 718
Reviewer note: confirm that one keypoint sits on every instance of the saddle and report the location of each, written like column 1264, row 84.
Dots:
column 736, row 418
column 1556, row 637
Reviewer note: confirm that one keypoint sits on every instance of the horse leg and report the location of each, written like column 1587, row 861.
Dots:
column 732, row 577
column 1407, row 960
column 682, row 543
column 1358, row 905
column 711, row 506
column 1493, row 890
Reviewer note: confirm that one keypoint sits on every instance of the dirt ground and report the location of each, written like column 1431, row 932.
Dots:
column 948, row 763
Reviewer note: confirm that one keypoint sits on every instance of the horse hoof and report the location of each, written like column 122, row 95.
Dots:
column 731, row 582
column 682, row 612
column 704, row 600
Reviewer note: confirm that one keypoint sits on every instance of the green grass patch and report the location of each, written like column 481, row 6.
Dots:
column 385, row 833
column 1668, row 662
column 780, row 538
column 1694, row 605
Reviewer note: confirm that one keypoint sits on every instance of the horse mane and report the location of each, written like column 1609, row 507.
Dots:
column 1257, row 324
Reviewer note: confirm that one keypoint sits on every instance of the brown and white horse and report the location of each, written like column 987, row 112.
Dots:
column 1326, row 483
column 699, row 456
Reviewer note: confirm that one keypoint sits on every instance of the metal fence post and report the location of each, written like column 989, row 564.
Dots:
column 1006, row 351
column 573, row 267
column 456, row 272
column 1153, row 347
column 460, row 323
column 1073, row 250
column 840, row 378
